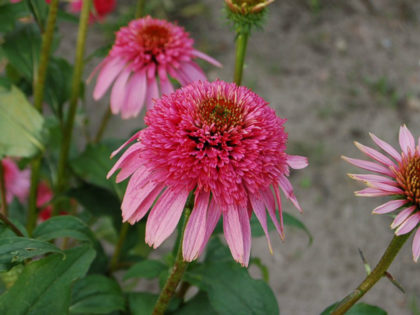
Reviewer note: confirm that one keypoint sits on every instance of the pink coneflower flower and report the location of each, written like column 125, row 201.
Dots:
column 399, row 177
column 144, row 50
column 220, row 141
column 101, row 8
column 17, row 182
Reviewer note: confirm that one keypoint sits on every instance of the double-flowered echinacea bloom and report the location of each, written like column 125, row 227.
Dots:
column 221, row 142
column 148, row 50
column 399, row 177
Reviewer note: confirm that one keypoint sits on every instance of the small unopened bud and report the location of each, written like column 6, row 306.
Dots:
column 247, row 6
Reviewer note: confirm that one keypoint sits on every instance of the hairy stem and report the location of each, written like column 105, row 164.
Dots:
column 117, row 251
column 175, row 277
column 10, row 225
column 104, row 122
column 75, row 91
column 377, row 273
column 241, row 44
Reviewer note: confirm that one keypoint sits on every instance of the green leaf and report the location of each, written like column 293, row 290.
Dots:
column 358, row 309
column 21, row 126
column 96, row 294
column 39, row 9
column 199, row 304
column 146, row 269
column 231, row 290
column 142, row 303
column 15, row 249
column 63, row 226
column 44, row 287
column 9, row 14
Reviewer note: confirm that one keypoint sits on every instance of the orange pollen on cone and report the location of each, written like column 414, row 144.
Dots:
column 408, row 177
column 153, row 37
column 220, row 112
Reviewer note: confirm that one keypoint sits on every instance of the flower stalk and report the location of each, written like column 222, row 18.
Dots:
column 140, row 8
column 4, row 206
column 117, row 251
column 241, row 44
column 75, row 91
column 102, row 127
column 376, row 274
column 176, row 275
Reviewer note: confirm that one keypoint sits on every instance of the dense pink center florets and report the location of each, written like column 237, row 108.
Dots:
column 147, row 40
column 215, row 136
column 408, row 177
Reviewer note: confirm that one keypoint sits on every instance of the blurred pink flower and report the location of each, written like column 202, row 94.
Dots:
column 220, row 141
column 399, row 177
column 44, row 195
column 101, row 8
column 144, row 50
column 17, row 182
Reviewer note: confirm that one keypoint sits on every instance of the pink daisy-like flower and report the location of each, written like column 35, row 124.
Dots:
column 220, row 141
column 399, row 176
column 143, row 51
column 17, row 182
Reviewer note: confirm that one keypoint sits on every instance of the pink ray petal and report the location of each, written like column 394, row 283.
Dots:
column 152, row 92
column 297, row 162
column 179, row 76
column 207, row 58
column 108, row 73
column 416, row 245
column 287, row 188
column 95, row 70
column 387, row 188
column 372, row 179
column 130, row 153
column 195, row 231
column 408, row 224
column 192, row 72
column 259, row 210
column 213, row 215
column 389, row 206
column 136, row 93
column 269, row 202
column 166, row 86
column 165, row 216
column 372, row 192
column 246, row 234
column 146, row 204
column 119, row 90
column 370, row 166
column 386, row 147
column 377, row 156
column 406, row 140
column 132, row 138
column 402, row 216
column 233, row 233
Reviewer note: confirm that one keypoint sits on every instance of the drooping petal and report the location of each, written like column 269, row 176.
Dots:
column 246, row 234
column 132, row 138
column 213, row 215
column 166, row 86
column 145, row 205
column 389, row 206
column 136, row 93
column 269, row 202
column 109, row 72
column 406, row 140
column 386, row 147
column 377, row 156
column 259, row 210
column 416, row 245
column 370, row 166
column 165, row 216
column 128, row 155
column 297, row 162
column 152, row 91
column 402, row 216
column 409, row 224
column 195, row 231
column 192, row 72
column 207, row 58
column 372, row 179
column 279, row 205
column 119, row 91
column 287, row 188
column 233, row 233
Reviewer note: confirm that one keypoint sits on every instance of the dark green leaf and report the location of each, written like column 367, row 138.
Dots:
column 96, row 294
column 199, row 304
column 358, row 309
column 142, row 303
column 217, row 252
column 21, row 126
column 15, row 249
column 63, row 226
column 44, row 287
column 231, row 290
column 39, row 9
column 146, row 269
column 9, row 13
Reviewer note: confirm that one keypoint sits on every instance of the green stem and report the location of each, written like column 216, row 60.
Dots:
column 75, row 91
column 10, row 225
column 104, row 122
column 241, row 44
column 377, row 273
column 140, row 8
column 4, row 204
column 175, row 277
column 39, row 88
column 117, row 251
